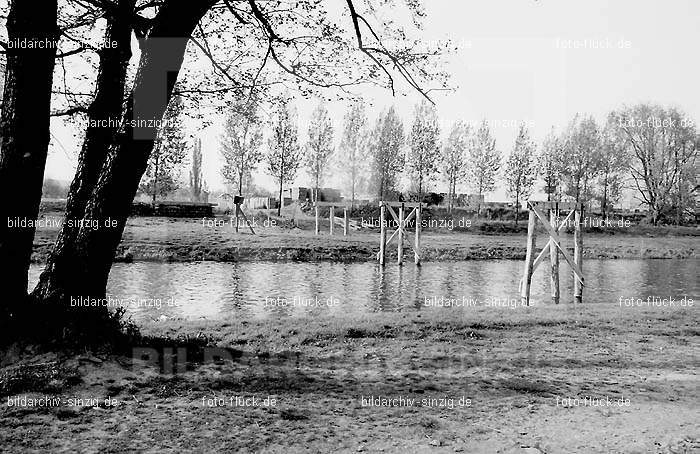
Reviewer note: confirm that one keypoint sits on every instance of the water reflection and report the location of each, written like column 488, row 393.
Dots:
column 263, row 289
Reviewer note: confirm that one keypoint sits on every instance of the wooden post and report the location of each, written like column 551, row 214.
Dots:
column 578, row 252
column 238, row 207
column 529, row 259
column 332, row 217
column 345, row 221
column 247, row 222
column 400, row 248
column 417, row 252
column 382, row 235
column 554, row 259
column 316, row 212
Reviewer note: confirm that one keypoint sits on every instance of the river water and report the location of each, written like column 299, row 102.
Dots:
column 214, row 290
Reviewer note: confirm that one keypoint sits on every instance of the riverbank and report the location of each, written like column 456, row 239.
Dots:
column 186, row 240
column 566, row 379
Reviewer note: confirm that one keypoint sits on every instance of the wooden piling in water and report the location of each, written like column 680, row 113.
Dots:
column 400, row 227
column 382, row 235
column 316, row 212
column 346, row 222
column 402, row 219
column 332, row 218
column 529, row 258
column 554, row 260
column 578, row 254
column 554, row 246
column 416, row 250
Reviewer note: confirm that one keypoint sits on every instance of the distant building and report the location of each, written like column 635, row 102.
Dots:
column 464, row 200
column 260, row 203
column 496, row 205
column 301, row 194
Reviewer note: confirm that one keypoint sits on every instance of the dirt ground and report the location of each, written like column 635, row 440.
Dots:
column 490, row 381
column 176, row 239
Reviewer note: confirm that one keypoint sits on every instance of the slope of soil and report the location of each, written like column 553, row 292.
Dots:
column 184, row 240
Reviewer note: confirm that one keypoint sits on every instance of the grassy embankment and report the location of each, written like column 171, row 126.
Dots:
column 514, row 366
column 176, row 239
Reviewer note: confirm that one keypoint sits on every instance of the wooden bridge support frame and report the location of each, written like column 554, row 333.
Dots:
column 553, row 246
column 401, row 233
column 331, row 216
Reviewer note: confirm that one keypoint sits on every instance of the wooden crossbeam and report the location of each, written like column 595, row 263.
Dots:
column 394, row 215
column 401, row 228
column 406, row 221
column 331, row 204
column 557, row 206
column 404, row 204
column 554, row 236
column 543, row 252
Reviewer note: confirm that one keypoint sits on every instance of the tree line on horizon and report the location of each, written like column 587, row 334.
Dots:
column 647, row 148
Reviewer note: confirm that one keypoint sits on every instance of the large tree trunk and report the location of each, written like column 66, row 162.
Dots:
column 478, row 203
column 104, row 115
column 86, row 271
column 420, row 188
column 352, row 202
column 24, row 128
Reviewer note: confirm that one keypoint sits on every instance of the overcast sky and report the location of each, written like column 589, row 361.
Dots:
column 539, row 62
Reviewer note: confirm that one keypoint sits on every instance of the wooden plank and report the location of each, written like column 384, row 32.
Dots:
column 529, row 259
column 331, row 216
column 404, row 204
column 554, row 260
column 557, row 206
column 578, row 257
column 555, row 237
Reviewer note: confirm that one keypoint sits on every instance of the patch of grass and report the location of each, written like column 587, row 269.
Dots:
column 524, row 386
column 46, row 378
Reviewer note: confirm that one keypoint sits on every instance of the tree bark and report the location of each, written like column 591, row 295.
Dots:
column 104, row 115
column 279, row 207
column 87, row 270
column 24, row 131
column 604, row 207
